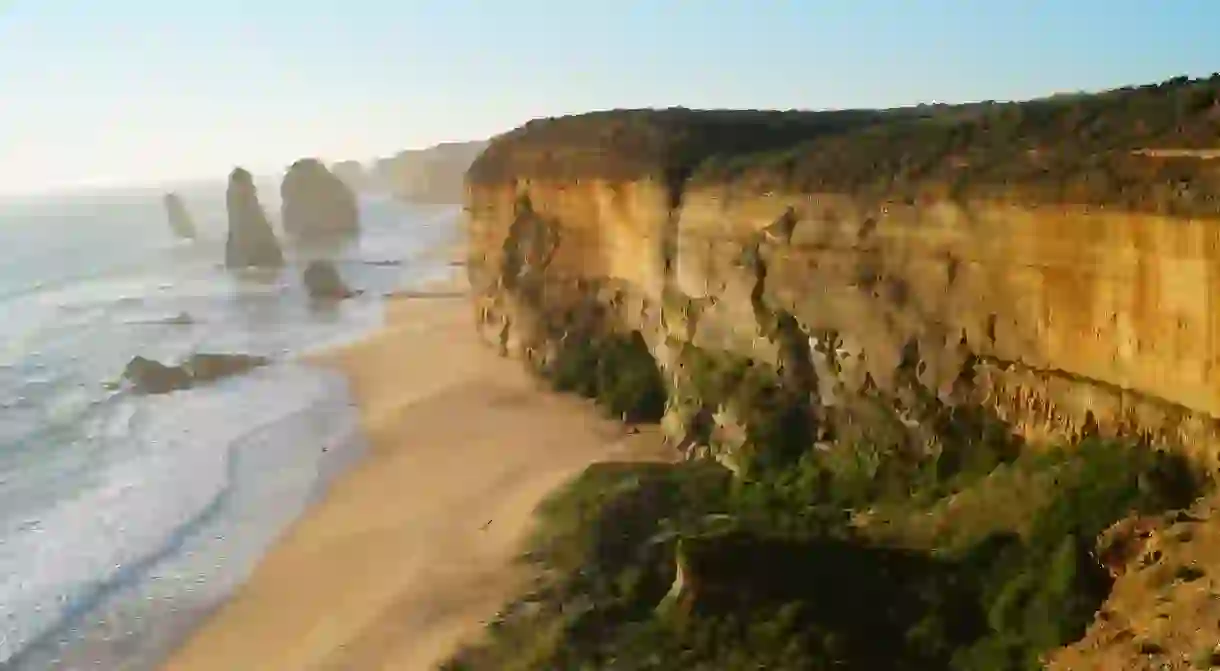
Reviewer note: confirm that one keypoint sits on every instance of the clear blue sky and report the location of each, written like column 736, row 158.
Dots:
column 129, row 91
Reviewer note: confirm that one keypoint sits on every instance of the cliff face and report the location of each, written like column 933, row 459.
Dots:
column 432, row 175
column 1074, row 300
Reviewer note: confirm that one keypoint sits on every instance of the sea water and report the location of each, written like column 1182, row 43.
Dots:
column 124, row 519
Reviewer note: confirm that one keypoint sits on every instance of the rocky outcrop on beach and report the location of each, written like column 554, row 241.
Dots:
column 323, row 282
column 148, row 376
column 251, row 241
column 318, row 208
column 825, row 292
column 179, row 219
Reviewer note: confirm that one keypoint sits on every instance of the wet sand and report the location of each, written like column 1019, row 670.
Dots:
column 412, row 550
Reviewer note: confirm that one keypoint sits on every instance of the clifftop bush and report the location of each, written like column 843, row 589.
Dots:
column 1087, row 149
column 786, row 581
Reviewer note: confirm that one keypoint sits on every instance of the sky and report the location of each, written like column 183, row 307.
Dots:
column 127, row 92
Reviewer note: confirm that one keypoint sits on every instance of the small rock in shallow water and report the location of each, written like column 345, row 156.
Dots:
column 153, row 377
column 322, row 281
column 209, row 367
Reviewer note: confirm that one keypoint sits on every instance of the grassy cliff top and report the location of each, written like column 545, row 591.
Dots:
column 1141, row 148
column 626, row 144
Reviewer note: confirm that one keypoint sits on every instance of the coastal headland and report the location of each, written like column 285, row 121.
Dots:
column 959, row 360
column 939, row 384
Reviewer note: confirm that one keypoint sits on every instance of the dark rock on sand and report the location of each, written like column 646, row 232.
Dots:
column 251, row 241
column 318, row 208
column 179, row 219
column 148, row 376
column 323, row 282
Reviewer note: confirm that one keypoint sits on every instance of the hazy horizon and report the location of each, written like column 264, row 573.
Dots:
column 263, row 180
column 138, row 93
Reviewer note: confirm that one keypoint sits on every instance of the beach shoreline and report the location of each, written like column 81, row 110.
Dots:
column 413, row 548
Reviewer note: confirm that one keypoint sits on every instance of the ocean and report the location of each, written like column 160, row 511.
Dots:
column 125, row 519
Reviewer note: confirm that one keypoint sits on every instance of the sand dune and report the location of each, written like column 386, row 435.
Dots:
column 398, row 563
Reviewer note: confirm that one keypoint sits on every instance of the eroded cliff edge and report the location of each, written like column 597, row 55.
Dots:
column 1047, row 260
column 870, row 316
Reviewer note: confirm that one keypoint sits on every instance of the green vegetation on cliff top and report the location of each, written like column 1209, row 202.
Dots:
column 1075, row 149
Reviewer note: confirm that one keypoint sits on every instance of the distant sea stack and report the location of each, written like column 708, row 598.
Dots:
column 251, row 241
column 318, row 208
column 352, row 173
column 179, row 219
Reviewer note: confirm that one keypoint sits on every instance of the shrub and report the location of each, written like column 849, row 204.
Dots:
column 779, row 578
column 617, row 371
column 1075, row 149
column 776, row 417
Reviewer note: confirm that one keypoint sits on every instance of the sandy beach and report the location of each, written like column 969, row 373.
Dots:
column 411, row 550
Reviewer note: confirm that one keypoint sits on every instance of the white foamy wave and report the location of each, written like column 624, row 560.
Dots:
column 187, row 466
column 122, row 520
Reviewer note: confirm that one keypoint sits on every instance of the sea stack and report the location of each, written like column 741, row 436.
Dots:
column 179, row 219
column 352, row 173
column 318, row 208
column 251, row 241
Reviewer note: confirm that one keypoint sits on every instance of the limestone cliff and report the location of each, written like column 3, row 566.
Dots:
column 251, row 241
column 1048, row 261
column 431, row 175
column 317, row 208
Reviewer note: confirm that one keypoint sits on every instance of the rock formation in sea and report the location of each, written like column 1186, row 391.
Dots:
column 318, row 209
column 179, row 219
column 148, row 376
column 353, row 175
column 323, row 282
column 251, row 241
column 842, row 304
